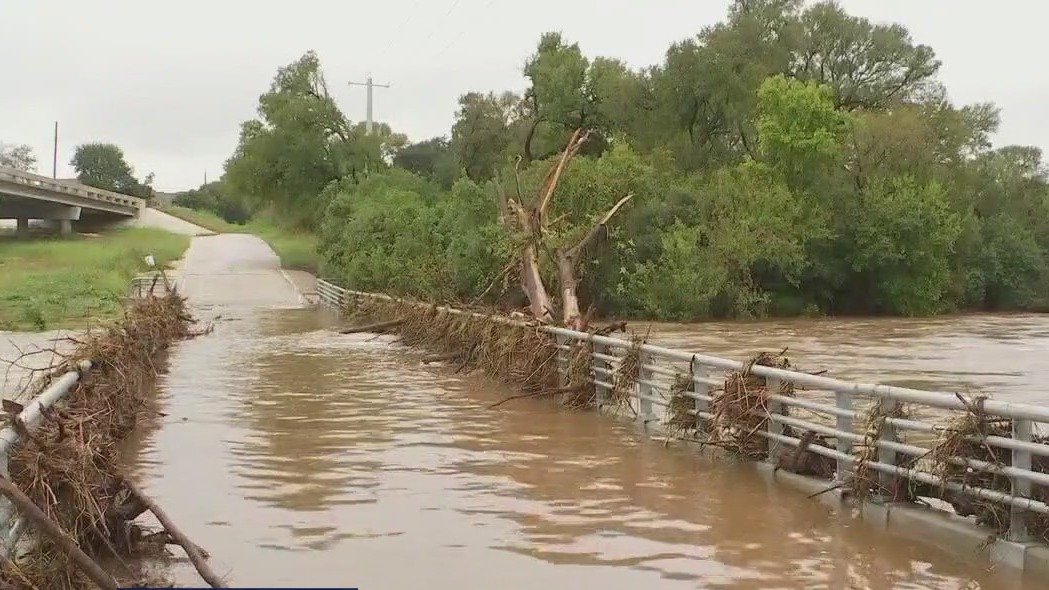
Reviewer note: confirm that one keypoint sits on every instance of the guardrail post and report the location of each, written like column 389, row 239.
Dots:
column 887, row 432
column 843, row 400
column 562, row 359
column 1021, row 488
column 644, row 388
column 596, row 365
column 700, row 388
column 775, row 408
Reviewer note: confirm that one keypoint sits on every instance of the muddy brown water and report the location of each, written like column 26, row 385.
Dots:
column 300, row 457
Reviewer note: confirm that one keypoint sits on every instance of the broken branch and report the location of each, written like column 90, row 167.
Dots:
column 379, row 327
column 191, row 548
column 62, row 540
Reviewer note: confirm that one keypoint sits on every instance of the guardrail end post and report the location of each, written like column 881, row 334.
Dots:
column 1023, row 430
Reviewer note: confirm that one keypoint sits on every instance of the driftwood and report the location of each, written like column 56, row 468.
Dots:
column 546, row 393
column 378, row 327
column 191, row 548
column 437, row 358
column 611, row 328
column 62, row 540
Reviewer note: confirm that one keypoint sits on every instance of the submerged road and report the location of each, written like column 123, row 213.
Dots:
column 296, row 456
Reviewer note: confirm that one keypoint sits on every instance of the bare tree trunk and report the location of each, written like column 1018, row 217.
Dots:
column 532, row 282
column 518, row 217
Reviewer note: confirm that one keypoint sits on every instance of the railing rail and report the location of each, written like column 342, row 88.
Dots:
column 75, row 190
column 837, row 419
column 12, row 524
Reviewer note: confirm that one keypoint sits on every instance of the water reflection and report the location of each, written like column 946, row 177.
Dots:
column 340, row 460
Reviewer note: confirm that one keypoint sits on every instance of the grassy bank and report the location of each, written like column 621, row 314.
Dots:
column 52, row 283
column 297, row 249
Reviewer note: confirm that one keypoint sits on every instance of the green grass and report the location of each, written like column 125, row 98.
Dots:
column 296, row 249
column 51, row 283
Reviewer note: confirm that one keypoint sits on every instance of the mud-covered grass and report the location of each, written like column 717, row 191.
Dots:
column 55, row 282
column 297, row 249
column 739, row 413
column 70, row 465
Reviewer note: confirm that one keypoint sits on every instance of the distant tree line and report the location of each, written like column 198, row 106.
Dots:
column 790, row 159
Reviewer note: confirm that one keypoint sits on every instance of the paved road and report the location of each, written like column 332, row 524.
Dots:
column 161, row 220
column 235, row 269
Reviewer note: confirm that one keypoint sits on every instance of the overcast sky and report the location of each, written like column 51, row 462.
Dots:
column 170, row 82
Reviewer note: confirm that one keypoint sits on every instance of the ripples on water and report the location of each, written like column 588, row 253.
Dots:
column 298, row 456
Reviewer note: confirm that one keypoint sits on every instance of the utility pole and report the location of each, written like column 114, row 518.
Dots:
column 54, row 157
column 370, row 85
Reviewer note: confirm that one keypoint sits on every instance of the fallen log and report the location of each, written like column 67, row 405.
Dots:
column 191, row 548
column 63, row 541
column 379, row 327
column 606, row 330
column 451, row 356
column 559, row 390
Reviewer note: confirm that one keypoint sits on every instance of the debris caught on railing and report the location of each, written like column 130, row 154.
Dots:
column 70, row 468
column 963, row 443
column 877, row 461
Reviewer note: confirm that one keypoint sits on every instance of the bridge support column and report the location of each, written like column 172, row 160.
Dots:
column 65, row 227
column 22, row 228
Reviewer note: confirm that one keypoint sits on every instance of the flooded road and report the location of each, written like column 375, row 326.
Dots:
column 296, row 456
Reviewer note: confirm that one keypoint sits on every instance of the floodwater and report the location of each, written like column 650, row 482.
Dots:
column 300, row 457
column 1002, row 356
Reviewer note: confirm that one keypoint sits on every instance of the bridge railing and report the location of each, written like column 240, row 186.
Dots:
column 894, row 447
column 77, row 190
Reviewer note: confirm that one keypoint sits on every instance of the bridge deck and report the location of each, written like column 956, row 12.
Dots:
column 24, row 185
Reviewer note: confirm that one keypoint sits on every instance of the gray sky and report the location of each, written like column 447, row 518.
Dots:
column 170, row 82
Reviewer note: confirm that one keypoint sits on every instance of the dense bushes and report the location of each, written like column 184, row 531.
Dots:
column 820, row 169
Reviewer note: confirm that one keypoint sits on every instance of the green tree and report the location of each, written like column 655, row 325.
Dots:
column 19, row 157
column 299, row 143
column 481, row 135
column 102, row 165
column 434, row 159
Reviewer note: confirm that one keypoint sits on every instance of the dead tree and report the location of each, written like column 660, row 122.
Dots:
column 531, row 220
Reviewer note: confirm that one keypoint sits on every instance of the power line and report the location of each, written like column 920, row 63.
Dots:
column 459, row 35
column 433, row 29
column 393, row 38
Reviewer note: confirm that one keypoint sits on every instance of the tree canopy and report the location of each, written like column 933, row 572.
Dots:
column 790, row 159
column 19, row 157
column 102, row 165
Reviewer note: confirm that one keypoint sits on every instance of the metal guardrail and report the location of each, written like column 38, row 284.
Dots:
column 12, row 524
column 837, row 420
column 156, row 283
column 74, row 190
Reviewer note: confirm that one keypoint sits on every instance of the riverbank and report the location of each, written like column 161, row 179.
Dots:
column 297, row 250
column 72, row 282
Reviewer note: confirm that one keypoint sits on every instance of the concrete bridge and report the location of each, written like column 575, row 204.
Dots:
column 25, row 196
